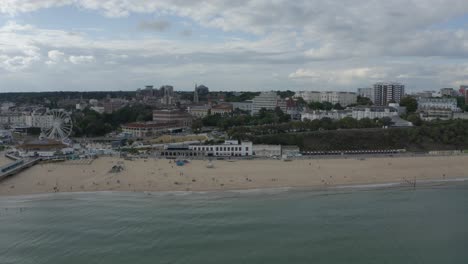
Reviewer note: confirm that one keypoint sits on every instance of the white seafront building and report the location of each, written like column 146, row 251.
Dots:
column 438, row 103
column 372, row 112
column 319, row 114
column 357, row 113
column 230, row 148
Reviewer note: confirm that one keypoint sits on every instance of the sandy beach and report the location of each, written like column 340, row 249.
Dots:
column 164, row 175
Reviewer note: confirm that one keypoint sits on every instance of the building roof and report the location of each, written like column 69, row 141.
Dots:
column 42, row 144
column 149, row 125
column 375, row 108
column 222, row 107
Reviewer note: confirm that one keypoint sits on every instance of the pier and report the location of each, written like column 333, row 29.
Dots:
column 17, row 166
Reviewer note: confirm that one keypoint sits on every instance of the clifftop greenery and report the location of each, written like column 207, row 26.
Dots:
column 436, row 135
column 90, row 123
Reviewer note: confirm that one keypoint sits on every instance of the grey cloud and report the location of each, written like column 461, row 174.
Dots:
column 186, row 32
column 158, row 25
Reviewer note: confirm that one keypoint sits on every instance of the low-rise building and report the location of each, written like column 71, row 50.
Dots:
column 99, row 109
column 448, row 92
column 183, row 119
column 244, row 106
column 372, row 112
column 434, row 114
column 266, row 150
column 438, row 103
column 333, row 97
column 12, row 119
column 426, row 94
column 222, row 109
column 460, row 115
column 199, row 111
column 309, row 96
column 147, row 129
column 5, row 136
column 230, row 148
column 114, row 104
column 332, row 114
column 43, row 148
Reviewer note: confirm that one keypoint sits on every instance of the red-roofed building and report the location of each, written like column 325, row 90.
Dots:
column 222, row 109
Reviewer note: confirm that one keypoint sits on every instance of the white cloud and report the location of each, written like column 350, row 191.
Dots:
column 342, row 77
column 55, row 56
column 81, row 59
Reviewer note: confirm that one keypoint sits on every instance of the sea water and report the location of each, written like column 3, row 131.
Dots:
column 396, row 225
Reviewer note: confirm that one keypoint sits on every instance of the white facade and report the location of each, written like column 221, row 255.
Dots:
column 438, row 103
column 267, row 100
column 13, row 119
column 228, row 149
column 267, row 150
column 199, row 111
column 318, row 115
column 342, row 98
column 39, row 120
column 374, row 112
column 245, row 106
column 309, row 96
column 334, row 97
column 99, row 109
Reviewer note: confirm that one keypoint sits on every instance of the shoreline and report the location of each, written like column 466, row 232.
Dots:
column 160, row 175
column 275, row 190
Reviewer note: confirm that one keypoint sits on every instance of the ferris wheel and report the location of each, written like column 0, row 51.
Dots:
column 58, row 126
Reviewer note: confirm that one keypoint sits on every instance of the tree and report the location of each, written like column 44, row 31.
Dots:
column 197, row 125
column 338, row 106
column 348, row 123
column 363, row 101
column 415, row 119
column 386, row 121
column 410, row 103
column 327, row 106
column 366, row 123
column 315, row 106
column 285, row 94
column 301, row 101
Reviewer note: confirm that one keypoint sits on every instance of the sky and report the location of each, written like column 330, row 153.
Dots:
column 88, row 45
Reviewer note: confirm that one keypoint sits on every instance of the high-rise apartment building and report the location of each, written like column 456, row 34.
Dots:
column 385, row 93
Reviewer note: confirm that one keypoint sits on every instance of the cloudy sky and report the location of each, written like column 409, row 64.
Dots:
column 50, row 45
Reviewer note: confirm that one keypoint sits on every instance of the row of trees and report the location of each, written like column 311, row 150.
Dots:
column 240, row 118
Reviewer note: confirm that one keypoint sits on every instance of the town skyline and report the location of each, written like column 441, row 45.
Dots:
column 231, row 45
